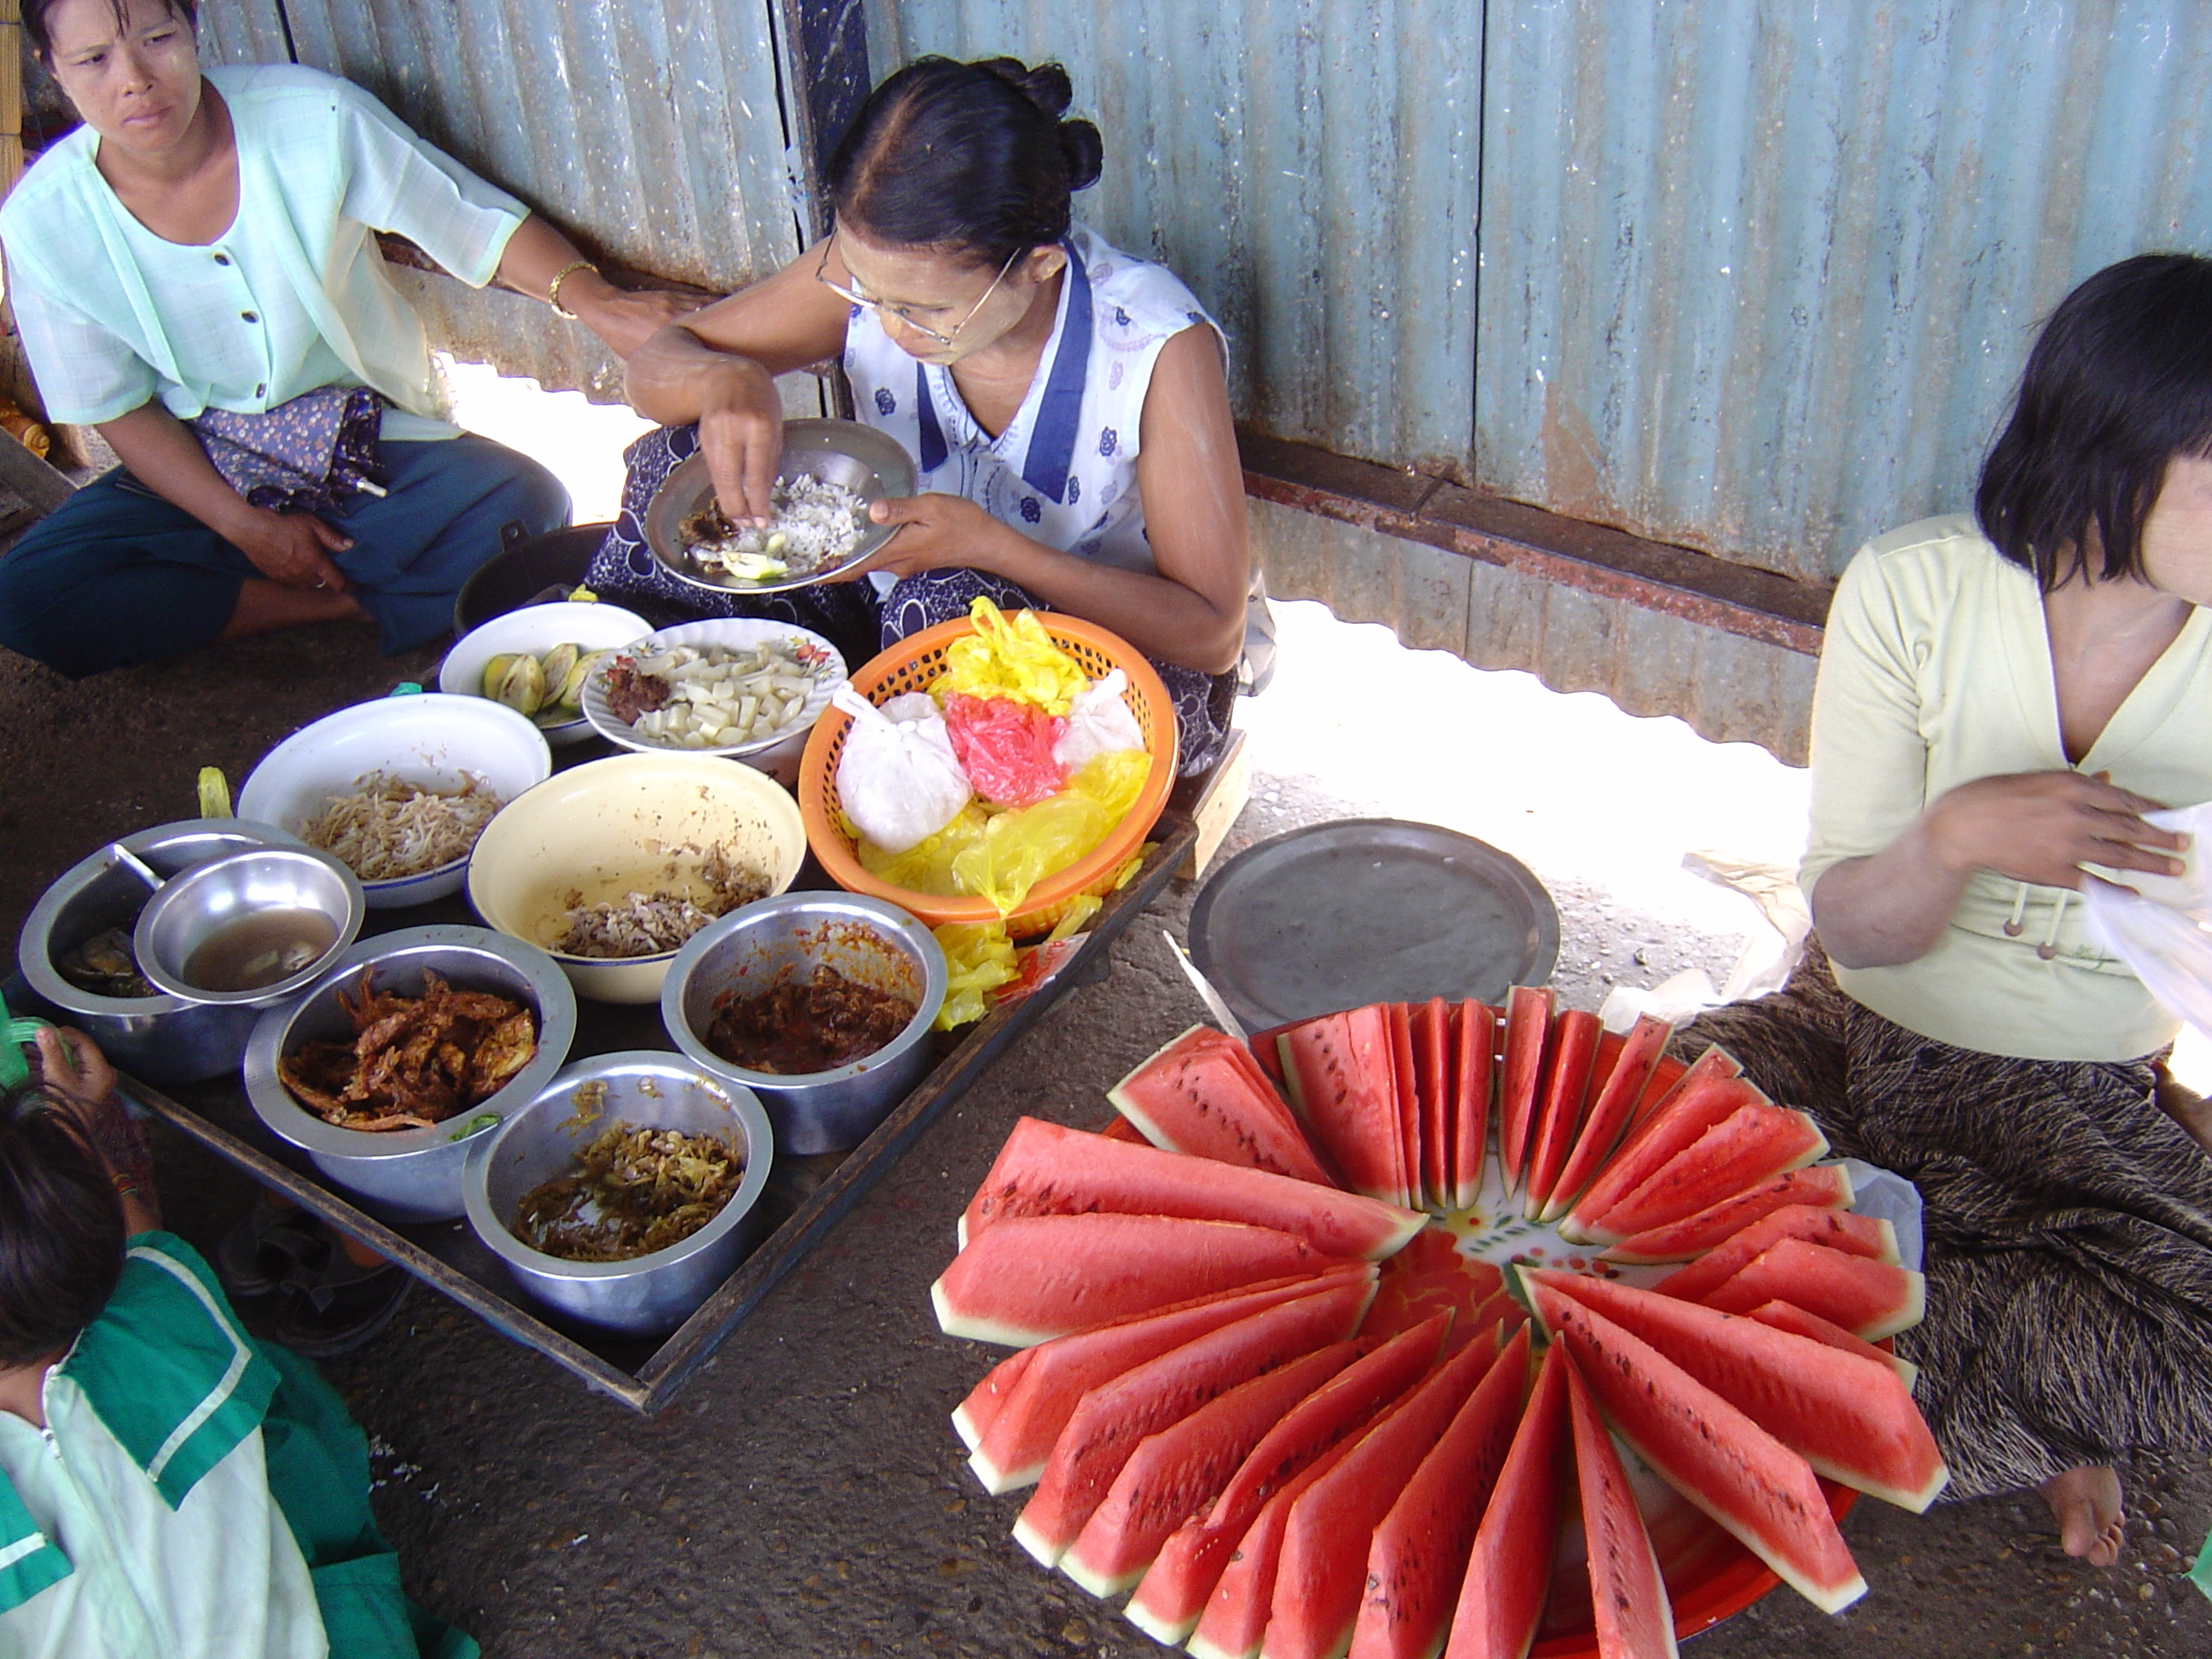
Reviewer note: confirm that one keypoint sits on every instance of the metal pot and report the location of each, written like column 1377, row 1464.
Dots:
column 408, row 1174
column 648, row 1294
column 163, row 1039
column 787, row 937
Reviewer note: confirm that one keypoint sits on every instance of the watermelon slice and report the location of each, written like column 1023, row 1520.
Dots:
column 1432, row 1090
column 1527, row 1037
column 1119, row 1128
column 1194, row 1096
column 1339, row 1069
column 1111, row 1420
column 1016, row 1412
column 1566, row 1086
column 1268, row 1052
column 1689, row 1112
column 1611, row 1103
column 1825, row 1186
column 1508, row 1570
column 1474, row 1045
column 1755, row 1487
column 1176, row 1474
column 1665, row 1076
column 1609, row 1047
column 1403, row 1076
column 1236, row 1617
column 1045, row 1169
column 1418, row 1554
column 1798, row 1322
column 1321, row 1579
column 1757, row 1142
column 1174, row 1593
column 1839, row 1229
column 1870, row 1299
column 1036, row 1277
column 1849, row 1418
column 1629, row 1607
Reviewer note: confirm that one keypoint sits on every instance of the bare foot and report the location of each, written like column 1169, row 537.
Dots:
column 2186, row 1107
column 2086, row 1502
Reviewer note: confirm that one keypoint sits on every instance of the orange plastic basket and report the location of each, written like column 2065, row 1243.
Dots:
column 913, row 665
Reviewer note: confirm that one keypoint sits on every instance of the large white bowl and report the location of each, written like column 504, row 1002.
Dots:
column 777, row 755
column 435, row 741
column 631, row 822
column 537, row 628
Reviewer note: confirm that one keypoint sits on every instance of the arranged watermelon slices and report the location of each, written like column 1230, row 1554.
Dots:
column 1254, row 1386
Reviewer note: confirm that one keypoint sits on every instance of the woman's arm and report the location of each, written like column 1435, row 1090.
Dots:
column 1892, row 906
column 74, row 1072
column 718, row 367
column 1192, row 612
column 290, row 547
column 536, row 254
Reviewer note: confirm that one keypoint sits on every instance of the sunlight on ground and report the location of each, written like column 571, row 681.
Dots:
column 579, row 442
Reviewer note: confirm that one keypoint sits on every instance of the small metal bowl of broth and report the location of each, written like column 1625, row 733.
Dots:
column 251, row 928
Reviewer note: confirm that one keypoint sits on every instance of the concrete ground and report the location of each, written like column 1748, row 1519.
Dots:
column 805, row 1494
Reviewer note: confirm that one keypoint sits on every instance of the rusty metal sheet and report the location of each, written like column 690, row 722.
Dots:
column 650, row 128
column 1758, row 275
column 1308, row 168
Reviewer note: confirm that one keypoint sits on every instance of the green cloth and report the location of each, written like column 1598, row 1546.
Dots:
column 2200, row 1574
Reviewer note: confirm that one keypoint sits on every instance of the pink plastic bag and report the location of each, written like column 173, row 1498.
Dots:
column 1005, row 748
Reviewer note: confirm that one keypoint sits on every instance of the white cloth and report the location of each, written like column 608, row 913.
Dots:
column 1064, row 472
column 293, row 297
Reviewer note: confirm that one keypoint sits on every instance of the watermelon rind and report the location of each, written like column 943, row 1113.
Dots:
column 1787, row 1316
column 1828, row 1282
column 1849, row 1416
column 1715, row 1452
column 1629, row 1606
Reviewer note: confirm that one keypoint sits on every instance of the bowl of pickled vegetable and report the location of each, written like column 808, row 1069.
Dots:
column 738, row 686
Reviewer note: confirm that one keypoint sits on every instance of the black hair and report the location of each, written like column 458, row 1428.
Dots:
column 42, row 43
column 61, row 1229
column 2119, row 383
column 973, row 158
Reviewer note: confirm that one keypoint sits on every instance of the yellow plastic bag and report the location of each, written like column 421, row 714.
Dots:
column 926, row 866
column 1020, row 848
column 978, row 959
column 1010, row 657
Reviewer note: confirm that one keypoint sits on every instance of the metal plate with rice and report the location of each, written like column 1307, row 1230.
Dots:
column 871, row 464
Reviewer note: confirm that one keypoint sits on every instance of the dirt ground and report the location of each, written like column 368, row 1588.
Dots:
column 805, row 1494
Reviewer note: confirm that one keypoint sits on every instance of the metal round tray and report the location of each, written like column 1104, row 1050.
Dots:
column 1360, row 910
column 873, row 465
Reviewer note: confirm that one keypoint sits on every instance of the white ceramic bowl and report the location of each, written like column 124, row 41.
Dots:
column 435, row 741
column 537, row 628
column 629, row 823
column 778, row 755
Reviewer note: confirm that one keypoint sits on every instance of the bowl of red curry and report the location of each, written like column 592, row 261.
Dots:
column 821, row 1003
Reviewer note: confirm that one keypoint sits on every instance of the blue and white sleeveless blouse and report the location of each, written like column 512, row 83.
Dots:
column 1064, row 472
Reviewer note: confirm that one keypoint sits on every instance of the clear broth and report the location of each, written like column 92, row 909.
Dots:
column 259, row 949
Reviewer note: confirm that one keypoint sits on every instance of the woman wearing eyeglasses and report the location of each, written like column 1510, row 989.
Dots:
column 1066, row 403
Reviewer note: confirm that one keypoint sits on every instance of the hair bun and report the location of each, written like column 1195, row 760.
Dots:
column 1084, row 151
column 1047, row 85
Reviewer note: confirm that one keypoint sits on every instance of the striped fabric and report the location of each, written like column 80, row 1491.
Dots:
column 2068, row 1228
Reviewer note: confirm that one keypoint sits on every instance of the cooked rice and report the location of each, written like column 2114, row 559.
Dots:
column 390, row 828
column 812, row 523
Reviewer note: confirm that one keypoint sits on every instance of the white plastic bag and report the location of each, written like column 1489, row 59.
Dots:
column 1098, row 723
column 897, row 778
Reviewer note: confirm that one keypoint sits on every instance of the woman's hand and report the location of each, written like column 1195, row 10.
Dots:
column 294, row 549
column 625, row 318
column 2041, row 827
column 741, row 436
column 934, row 532
column 77, row 1076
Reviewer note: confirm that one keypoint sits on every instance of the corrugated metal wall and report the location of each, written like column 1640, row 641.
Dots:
column 1759, row 276
column 1307, row 165
column 650, row 127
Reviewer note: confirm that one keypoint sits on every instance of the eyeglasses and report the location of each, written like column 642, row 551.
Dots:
column 822, row 275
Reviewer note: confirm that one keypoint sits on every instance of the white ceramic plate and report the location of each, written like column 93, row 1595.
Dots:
column 736, row 633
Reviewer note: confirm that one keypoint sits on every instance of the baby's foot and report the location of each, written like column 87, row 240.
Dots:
column 2086, row 1501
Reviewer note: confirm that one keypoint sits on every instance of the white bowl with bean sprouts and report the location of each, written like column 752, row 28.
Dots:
column 399, row 789
column 739, row 686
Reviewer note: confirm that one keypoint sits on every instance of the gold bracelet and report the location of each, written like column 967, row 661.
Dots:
column 553, row 287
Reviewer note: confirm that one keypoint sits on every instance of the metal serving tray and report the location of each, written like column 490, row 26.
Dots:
column 805, row 1197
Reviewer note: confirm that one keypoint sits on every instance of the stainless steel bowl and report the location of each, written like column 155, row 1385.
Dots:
column 165, row 1040
column 644, row 1087
column 872, row 465
column 408, row 1174
column 786, row 937
column 193, row 907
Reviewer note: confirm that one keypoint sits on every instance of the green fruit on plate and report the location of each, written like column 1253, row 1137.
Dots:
column 496, row 672
column 572, row 689
column 557, row 664
column 522, row 687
